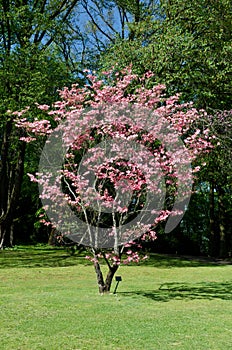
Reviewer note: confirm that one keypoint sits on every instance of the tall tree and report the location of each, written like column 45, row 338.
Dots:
column 188, row 46
column 30, row 70
column 103, row 22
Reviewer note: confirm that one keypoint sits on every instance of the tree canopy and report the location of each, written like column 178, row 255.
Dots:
column 186, row 46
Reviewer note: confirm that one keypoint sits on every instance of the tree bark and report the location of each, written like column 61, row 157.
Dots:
column 12, row 175
column 214, row 247
column 104, row 285
column 100, row 279
column 109, row 277
column 223, row 252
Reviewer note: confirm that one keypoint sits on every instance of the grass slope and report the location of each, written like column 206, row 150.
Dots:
column 49, row 301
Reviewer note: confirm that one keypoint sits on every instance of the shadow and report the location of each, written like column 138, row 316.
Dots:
column 185, row 291
column 171, row 260
column 48, row 256
column 32, row 257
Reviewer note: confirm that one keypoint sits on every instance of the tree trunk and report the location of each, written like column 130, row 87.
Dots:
column 11, row 176
column 52, row 237
column 223, row 253
column 104, row 286
column 214, row 246
column 100, row 279
column 109, row 277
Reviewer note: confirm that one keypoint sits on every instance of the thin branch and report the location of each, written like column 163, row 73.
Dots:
column 107, row 261
column 95, row 23
column 103, row 18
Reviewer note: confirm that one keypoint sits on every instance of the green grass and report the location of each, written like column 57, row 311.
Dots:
column 49, row 300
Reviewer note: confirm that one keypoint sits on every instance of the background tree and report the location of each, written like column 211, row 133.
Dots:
column 30, row 70
column 188, row 46
column 103, row 22
column 218, row 177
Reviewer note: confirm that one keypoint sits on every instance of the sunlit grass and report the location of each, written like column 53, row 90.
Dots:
column 159, row 306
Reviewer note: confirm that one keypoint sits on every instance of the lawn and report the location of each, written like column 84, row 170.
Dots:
column 49, row 300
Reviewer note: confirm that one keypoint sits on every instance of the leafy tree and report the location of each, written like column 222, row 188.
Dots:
column 103, row 22
column 30, row 70
column 188, row 46
column 217, row 175
column 185, row 47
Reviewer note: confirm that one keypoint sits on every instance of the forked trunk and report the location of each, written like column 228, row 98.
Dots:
column 104, row 285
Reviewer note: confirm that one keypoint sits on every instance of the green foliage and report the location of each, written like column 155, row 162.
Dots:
column 32, row 69
column 188, row 47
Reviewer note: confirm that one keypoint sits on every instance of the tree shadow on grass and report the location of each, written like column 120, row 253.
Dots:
column 47, row 256
column 186, row 291
column 32, row 257
column 171, row 260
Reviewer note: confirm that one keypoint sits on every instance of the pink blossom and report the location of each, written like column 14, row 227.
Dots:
column 79, row 106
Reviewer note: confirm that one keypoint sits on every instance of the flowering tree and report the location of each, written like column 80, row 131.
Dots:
column 116, row 164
